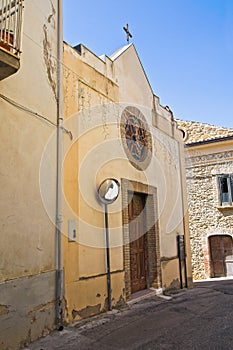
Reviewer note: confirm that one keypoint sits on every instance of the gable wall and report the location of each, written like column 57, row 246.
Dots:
column 94, row 103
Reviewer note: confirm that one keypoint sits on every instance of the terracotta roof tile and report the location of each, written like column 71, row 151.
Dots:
column 197, row 132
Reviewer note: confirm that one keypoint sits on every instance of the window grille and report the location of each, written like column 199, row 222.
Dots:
column 225, row 185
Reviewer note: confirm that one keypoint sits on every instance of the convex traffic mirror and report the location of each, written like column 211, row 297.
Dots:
column 108, row 191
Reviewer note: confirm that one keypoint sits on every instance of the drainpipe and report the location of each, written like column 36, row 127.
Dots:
column 59, row 265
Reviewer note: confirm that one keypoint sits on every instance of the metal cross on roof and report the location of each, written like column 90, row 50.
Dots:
column 128, row 34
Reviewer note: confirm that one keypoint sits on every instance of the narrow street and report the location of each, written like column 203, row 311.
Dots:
column 198, row 318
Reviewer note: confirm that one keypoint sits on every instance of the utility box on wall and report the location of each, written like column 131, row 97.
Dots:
column 72, row 232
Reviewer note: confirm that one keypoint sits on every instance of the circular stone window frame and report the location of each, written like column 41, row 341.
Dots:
column 185, row 134
column 129, row 112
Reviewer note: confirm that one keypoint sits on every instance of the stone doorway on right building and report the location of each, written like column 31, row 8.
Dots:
column 221, row 255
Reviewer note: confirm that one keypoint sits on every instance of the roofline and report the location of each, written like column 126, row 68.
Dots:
column 144, row 72
column 219, row 139
column 114, row 56
column 78, row 49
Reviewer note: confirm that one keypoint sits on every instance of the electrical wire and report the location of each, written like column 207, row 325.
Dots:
column 28, row 110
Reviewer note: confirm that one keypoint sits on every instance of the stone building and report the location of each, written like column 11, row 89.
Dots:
column 120, row 131
column 209, row 169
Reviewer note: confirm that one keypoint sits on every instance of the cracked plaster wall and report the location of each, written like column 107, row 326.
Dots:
column 88, row 88
column 26, row 231
column 27, row 310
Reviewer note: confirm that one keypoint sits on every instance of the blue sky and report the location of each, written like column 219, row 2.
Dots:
column 185, row 46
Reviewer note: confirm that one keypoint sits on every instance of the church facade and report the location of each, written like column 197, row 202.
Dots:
column 121, row 132
column 65, row 254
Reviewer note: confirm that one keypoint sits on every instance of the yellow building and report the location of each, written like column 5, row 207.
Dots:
column 28, row 112
column 56, row 261
column 119, row 131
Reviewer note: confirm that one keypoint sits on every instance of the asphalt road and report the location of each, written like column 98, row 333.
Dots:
column 200, row 318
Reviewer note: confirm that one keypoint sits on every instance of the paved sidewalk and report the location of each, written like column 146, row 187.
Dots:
column 197, row 319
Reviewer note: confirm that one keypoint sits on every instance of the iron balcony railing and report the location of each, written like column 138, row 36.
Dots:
column 10, row 25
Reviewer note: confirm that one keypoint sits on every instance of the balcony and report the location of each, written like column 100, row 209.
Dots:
column 10, row 36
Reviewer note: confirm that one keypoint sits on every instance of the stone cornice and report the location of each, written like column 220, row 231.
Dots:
column 208, row 158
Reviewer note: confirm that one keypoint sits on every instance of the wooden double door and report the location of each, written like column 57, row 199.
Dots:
column 220, row 249
column 138, row 242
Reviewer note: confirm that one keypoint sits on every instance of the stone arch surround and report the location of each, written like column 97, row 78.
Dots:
column 206, row 248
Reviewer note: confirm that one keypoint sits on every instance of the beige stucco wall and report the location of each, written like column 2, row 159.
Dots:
column 27, row 233
column 95, row 97
column 86, row 88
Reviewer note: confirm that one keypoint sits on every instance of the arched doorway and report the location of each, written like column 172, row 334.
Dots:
column 221, row 255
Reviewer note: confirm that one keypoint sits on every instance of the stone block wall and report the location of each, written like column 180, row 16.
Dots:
column 205, row 216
